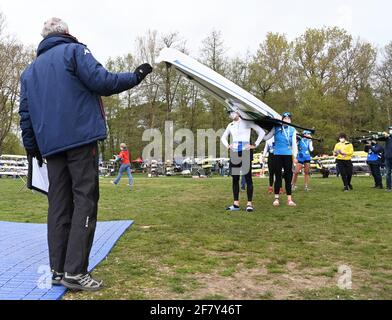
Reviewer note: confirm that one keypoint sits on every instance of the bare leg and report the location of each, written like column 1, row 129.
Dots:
column 298, row 169
column 307, row 174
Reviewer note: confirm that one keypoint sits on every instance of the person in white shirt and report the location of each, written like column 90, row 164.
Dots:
column 241, row 156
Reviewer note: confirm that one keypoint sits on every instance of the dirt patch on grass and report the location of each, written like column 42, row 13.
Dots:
column 259, row 283
column 242, row 282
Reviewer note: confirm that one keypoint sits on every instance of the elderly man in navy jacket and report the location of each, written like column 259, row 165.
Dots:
column 62, row 120
column 388, row 157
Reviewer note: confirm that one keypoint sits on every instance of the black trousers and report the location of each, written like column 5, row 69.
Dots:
column 284, row 163
column 73, row 206
column 236, row 165
column 271, row 168
column 346, row 171
column 376, row 173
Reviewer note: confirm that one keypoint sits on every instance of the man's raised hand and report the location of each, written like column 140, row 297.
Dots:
column 142, row 71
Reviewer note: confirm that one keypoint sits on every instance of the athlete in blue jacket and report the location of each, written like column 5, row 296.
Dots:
column 285, row 154
column 62, row 118
column 305, row 149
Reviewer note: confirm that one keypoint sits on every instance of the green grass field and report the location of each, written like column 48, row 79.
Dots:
column 185, row 246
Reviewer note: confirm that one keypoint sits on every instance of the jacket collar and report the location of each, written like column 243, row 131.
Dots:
column 53, row 40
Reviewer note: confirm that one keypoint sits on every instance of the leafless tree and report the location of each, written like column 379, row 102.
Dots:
column 14, row 58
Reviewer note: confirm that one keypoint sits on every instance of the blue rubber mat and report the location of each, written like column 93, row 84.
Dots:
column 24, row 260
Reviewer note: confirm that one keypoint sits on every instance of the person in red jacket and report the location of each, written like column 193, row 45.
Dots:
column 124, row 159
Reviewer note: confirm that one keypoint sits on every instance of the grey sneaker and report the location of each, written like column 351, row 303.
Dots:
column 81, row 282
column 56, row 278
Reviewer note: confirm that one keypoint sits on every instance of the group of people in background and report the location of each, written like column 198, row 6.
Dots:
column 377, row 157
column 287, row 149
column 283, row 150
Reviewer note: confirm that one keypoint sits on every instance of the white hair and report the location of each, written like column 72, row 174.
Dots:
column 54, row 25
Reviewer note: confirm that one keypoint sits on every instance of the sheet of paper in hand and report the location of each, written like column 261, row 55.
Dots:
column 38, row 177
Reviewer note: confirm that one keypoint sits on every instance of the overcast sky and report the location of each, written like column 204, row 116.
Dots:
column 110, row 28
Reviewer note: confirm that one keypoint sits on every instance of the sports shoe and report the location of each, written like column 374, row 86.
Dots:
column 233, row 208
column 276, row 203
column 113, row 183
column 270, row 190
column 351, row 187
column 281, row 191
column 56, row 278
column 307, row 189
column 291, row 203
column 81, row 282
column 249, row 209
column 389, row 190
column 294, row 188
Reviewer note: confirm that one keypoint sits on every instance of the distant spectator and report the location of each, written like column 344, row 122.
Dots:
column 125, row 165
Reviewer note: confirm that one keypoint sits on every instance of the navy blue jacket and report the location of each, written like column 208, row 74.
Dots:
column 388, row 148
column 60, row 104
